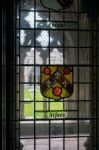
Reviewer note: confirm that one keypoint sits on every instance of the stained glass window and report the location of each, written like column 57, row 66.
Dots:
column 54, row 54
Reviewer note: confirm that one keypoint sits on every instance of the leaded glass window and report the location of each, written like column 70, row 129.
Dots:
column 45, row 38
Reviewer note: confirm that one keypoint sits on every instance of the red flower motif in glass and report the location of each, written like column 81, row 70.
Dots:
column 47, row 71
column 66, row 71
column 57, row 91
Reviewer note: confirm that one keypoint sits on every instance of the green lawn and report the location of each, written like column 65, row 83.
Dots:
column 29, row 106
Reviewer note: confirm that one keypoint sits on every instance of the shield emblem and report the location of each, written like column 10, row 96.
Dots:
column 56, row 81
column 56, row 4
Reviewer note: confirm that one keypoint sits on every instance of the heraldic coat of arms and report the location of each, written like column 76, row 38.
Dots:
column 56, row 4
column 56, row 81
